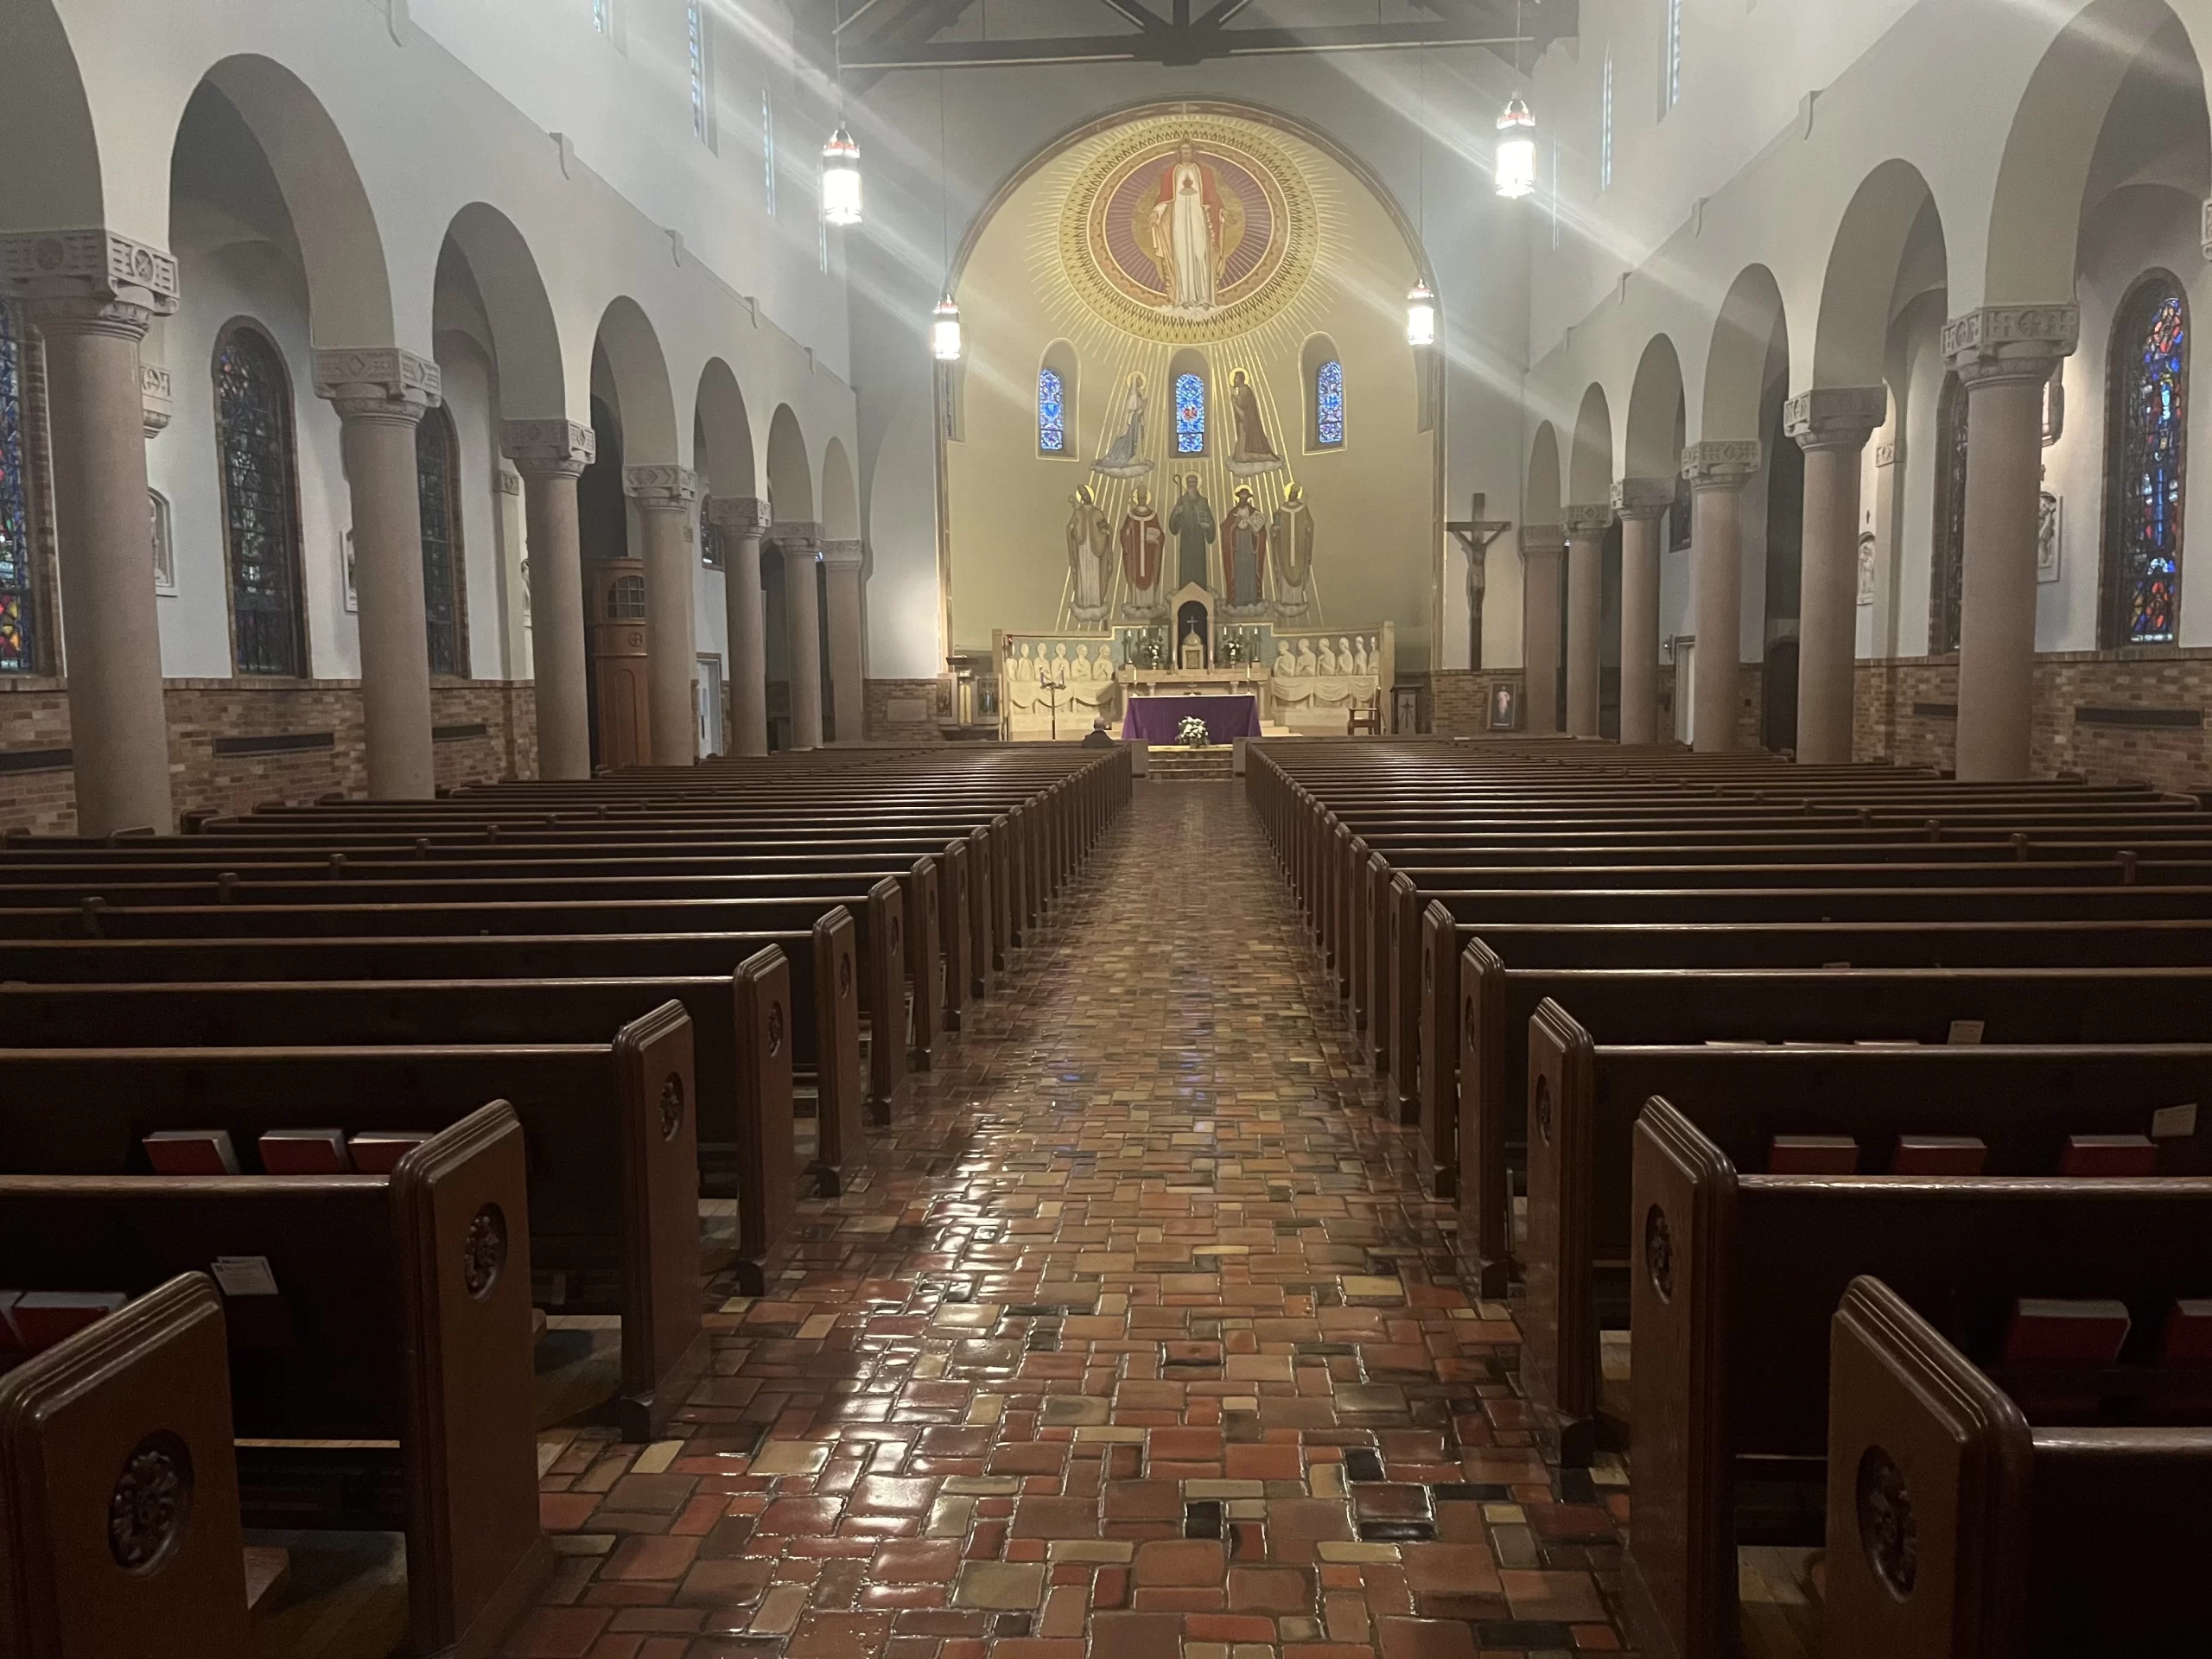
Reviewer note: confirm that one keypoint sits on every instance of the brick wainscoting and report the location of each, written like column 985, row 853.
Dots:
column 234, row 744
column 883, row 727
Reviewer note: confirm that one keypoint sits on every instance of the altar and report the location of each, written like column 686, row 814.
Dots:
column 1158, row 719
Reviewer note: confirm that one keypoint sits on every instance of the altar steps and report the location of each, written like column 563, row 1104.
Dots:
column 1173, row 763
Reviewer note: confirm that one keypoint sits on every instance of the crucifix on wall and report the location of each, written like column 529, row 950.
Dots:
column 1475, row 533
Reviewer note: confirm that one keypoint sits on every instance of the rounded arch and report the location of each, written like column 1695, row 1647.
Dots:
column 1750, row 328
column 1891, row 208
column 722, row 433
column 341, row 250
column 1541, row 504
column 1654, row 407
column 1589, row 466
column 841, row 507
column 791, row 474
column 2036, row 210
column 525, row 338
column 644, row 399
column 43, row 94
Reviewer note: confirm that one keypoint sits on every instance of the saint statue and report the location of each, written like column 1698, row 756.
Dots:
column 1286, row 664
column 1186, row 233
column 1144, row 539
column 1120, row 459
column 1089, row 554
column 1191, row 522
column 1022, row 668
column 1294, row 550
column 1326, row 657
column 1250, row 452
column 1244, row 550
column 1308, row 664
column 1363, row 660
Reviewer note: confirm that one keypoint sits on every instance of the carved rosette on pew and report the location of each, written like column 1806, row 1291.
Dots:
column 551, row 455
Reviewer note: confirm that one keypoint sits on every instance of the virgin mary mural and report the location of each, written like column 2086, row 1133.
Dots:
column 1188, row 225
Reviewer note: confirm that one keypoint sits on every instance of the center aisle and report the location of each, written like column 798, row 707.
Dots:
column 1138, row 1330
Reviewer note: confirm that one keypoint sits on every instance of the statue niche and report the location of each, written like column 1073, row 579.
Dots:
column 1193, row 611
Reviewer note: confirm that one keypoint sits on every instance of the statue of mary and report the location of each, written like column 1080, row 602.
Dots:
column 1121, row 460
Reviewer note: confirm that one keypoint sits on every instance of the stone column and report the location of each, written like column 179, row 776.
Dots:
column 665, row 495
column 1718, row 469
column 840, row 563
column 1585, row 566
column 1541, row 548
column 2003, row 355
column 801, row 547
column 550, row 457
column 1831, row 424
column 1641, row 503
column 381, row 393
column 92, row 296
column 741, row 521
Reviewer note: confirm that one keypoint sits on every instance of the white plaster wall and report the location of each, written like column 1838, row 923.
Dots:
column 470, row 401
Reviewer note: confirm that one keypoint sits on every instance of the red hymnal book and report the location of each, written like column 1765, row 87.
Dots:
column 2188, row 1340
column 1812, row 1154
column 2046, row 1331
column 192, row 1152
column 42, row 1318
column 2109, row 1154
column 377, row 1152
column 1939, row 1154
column 305, row 1152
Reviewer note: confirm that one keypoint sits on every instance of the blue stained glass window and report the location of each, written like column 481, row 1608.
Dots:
column 1190, row 415
column 1052, row 414
column 17, row 648
column 2150, row 442
column 1329, row 405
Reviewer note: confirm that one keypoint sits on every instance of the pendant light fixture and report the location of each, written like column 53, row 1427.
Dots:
column 1517, row 134
column 944, row 320
column 841, row 178
column 1421, row 315
column 1420, row 301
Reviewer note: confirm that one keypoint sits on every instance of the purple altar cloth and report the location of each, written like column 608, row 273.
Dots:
column 1154, row 720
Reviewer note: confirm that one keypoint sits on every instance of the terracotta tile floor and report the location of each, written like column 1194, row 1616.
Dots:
column 1138, row 1335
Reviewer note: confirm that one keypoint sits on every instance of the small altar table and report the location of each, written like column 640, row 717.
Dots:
column 1154, row 720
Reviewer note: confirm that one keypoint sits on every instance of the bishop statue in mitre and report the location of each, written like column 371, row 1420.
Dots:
column 1144, row 544
column 1294, row 550
column 1089, row 539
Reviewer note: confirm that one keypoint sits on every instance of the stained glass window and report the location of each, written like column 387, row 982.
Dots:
column 1052, row 414
column 602, row 16
column 1329, row 405
column 1190, row 415
column 18, row 653
column 444, row 607
column 1671, row 61
column 695, row 30
column 261, row 531
column 1947, row 577
column 2148, row 451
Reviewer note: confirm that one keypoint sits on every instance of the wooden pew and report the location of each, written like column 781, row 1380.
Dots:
column 119, row 1489
column 1736, row 1280
column 742, row 1029
column 401, row 1328
column 612, row 1137
column 1584, row 1100
column 1961, row 1526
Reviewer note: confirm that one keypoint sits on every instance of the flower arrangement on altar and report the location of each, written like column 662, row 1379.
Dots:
column 1192, row 734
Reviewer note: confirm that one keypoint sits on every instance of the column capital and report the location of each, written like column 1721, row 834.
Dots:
column 741, row 515
column 1722, row 463
column 549, row 447
column 1643, row 497
column 2010, row 342
column 660, row 489
column 1835, row 417
column 1587, row 519
column 93, row 264
column 154, row 398
column 378, row 382
column 1541, row 538
column 794, row 536
column 841, row 555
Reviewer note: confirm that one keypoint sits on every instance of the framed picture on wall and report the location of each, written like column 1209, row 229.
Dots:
column 2047, row 519
column 1504, row 707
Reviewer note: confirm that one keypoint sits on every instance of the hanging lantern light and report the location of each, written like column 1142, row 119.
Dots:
column 1517, row 150
column 841, row 179
column 944, row 330
column 1421, row 315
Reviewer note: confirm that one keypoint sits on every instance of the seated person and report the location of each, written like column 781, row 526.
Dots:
column 1100, row 737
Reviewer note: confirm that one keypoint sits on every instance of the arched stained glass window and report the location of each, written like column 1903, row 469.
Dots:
column 261, row 526
column 444, row 604
column 17, row 648
column 2147, row 451
column 1052, row 414
column 1946, row 576
column 1190, row 415
column 1329, row 405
